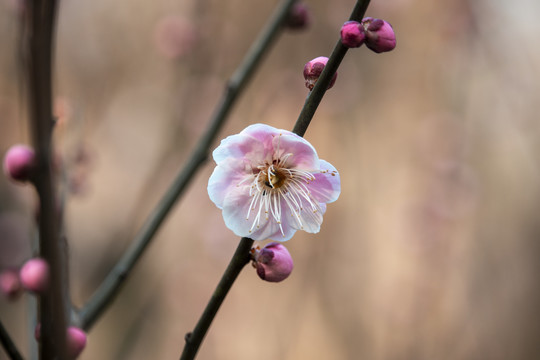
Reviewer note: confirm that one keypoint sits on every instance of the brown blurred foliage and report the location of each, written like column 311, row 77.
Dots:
column 430, row 253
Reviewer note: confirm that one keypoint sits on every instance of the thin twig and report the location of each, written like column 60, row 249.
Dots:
column 53, row 309
column 316, row 95
column 240, row 258
column 107, row 291
column 242, row 254
column 8, row 344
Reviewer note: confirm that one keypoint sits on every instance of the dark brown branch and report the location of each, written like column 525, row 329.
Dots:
column 316, row 95
column 240, row 258
column 242, row 255
column 53, row 309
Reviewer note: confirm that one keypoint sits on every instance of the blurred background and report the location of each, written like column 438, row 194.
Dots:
column 432, row 250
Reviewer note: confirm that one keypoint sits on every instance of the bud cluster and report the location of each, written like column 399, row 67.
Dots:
column 33, row 276
column 377, row 34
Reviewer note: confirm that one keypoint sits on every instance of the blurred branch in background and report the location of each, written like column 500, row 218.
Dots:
column 111, row 285
column 8, row 344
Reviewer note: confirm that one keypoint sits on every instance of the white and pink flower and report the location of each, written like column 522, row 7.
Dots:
column 270, row 183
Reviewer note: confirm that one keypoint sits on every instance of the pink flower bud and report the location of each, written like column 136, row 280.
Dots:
column 273, row 263
column 352, row 34
column 19, row 162
column 380, row 36
column 34, row 275
column 10, row 284
column 299, row 17
column 76, row 342
column 313, row 69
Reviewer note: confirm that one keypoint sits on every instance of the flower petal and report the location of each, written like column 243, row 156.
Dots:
column 262, row 133
column 327, row 185
column 240, row 147
column 227, row 176
column 303, row 155
column 235, row 209
column 311, row 219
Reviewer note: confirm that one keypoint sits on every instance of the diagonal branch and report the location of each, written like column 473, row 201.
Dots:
column 110, row 287
column 316, row 95
column 8, row 344
column 241, row 256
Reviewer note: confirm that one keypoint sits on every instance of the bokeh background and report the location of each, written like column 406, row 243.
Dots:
column 431, row 252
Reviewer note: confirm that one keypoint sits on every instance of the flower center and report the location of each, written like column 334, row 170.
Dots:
column 274, row 177
column 274, row 188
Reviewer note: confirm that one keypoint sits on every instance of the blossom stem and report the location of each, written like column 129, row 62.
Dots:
column 8, row 344
column 242, row 255
column 53, row 307
column 315, row 96
column 107, row 291
column 240, row 258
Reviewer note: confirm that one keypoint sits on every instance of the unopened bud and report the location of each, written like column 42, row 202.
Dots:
column 19, row 162
column 34, row 275
column 76, row 342
column 352, row 34
column 313, row 69
column 273, row 263
column 380, row 36
column 298, row 17
column 10, row 284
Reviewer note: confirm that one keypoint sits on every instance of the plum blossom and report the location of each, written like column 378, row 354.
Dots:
column 269, row 183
